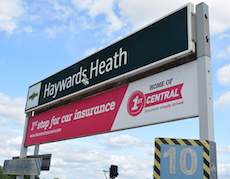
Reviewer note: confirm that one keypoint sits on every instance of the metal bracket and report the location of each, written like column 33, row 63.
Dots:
column 202, row 28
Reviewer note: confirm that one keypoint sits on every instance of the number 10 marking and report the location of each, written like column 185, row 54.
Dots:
column 172, row 154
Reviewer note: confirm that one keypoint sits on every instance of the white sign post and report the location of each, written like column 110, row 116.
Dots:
column 204, row 73
column 24, row 148
column 167, row 162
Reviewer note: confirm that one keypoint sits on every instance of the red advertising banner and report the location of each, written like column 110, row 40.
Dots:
column 163, row 97
column 86, row 117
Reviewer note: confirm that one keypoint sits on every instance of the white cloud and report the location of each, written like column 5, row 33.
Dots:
column 53, row 12
column 223, row 36
column 82, row 4
column 98, row 8
column 140, row 13
column 4, row 121
column 28, row 29
column 10, row 10
column 223, row 74
column 123, row 141
column 81, row 155
column 110, row 16
column 54, row 31
column 50, row 32
column 75, row 161
column 223, row 168
column 225, row 53
column 224, row 101
column 90, row 51
column 222, row 150
column 12, row 109
column 9, row 146
column 132, row 167
column 62, row 12
column 219, row 15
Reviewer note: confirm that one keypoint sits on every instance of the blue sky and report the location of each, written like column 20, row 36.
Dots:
column 39, row 38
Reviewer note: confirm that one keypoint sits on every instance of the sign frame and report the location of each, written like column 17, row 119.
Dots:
column 207, row 160
column 163, row 97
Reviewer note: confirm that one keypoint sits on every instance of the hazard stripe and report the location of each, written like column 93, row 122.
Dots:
column 203, row 143
column 157, row 160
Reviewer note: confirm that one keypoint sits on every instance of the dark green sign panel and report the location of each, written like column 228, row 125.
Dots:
column 164, row 39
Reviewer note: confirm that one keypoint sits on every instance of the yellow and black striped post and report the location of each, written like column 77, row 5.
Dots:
column 183, row 142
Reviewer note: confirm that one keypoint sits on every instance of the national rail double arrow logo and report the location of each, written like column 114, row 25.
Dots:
column 33, row 96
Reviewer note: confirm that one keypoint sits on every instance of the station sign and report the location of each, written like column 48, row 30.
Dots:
column 163, row 97
column 46, row 160
column 28, row 166
column 163, row 41
column 184, row 158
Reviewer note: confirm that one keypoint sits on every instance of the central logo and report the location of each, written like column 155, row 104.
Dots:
column 136, row 103
column 137, row 100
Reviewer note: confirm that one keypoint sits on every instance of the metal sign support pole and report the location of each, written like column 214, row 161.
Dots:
column 36, row 151
column 204, row 73
column 205, row 84
column 24, row 148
